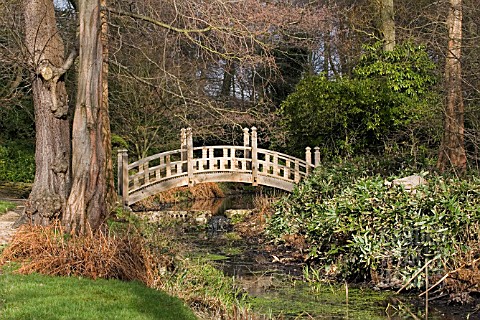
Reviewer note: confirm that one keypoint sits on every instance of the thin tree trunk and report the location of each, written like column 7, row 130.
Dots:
column 227, row 82
column 50, row 189
column 87, row 203
column 387, row 15
column 452, row 151
column 111, row 193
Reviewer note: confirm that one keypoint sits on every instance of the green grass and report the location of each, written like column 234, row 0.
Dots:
column 43, row 297
column 5, row 206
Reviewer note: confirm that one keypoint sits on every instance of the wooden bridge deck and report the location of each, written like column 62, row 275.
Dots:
column 190, row 165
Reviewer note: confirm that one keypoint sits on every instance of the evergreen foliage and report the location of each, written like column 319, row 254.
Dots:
column 387, row 93
column 357, row 226
column 17, row 161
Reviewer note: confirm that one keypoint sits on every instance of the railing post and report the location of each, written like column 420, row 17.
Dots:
column 246, row 144
column 233, row 159
column 276, row 170
column 122, row 179
column 254, row 157
column 317, row 156
column 204, row 158
column 296, row 173
column 308, row 159
column 211, row 159
column 190, row 157
column 183, row 148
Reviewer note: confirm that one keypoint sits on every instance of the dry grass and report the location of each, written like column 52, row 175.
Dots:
column 49, row 250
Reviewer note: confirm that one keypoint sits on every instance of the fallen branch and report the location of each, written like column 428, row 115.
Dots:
column 416, row 274
column 447, row 275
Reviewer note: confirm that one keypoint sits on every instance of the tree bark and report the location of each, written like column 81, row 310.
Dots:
column 387, row 15
column 50, row 189
column 87, row 203
column 452, row 151
column 107, row 137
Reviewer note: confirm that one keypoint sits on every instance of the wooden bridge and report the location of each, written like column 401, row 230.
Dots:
column 190, row 165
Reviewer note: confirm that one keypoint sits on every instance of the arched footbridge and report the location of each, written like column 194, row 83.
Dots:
column 190, row 165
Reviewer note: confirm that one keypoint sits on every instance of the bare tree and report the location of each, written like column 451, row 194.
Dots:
column 214, row 59
column 452, row 150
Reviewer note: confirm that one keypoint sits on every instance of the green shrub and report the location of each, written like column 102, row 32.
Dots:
column 390, row 93
column 359, row 226
column 17, row 162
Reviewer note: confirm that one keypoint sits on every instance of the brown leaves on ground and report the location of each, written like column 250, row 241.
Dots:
column 49, row 250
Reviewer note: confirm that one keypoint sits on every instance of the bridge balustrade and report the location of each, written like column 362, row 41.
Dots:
column 191, row 165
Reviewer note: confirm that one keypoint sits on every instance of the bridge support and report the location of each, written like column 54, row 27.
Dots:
column 308, row 159
column 317, row 156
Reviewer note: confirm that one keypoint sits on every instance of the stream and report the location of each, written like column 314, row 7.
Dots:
column 275, row 282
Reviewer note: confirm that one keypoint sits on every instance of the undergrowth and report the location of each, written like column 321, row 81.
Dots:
column 358, row 227
column 17, row 161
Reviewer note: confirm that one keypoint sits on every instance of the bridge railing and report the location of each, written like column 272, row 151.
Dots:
column 158, row 167
column 282, row 166
column 189, row 165
column 221, row 158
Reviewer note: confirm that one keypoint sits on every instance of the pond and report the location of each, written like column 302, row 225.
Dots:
column 276, row 284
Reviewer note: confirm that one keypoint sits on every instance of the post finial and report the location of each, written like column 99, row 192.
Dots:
column 317, row 156
column 308, row 159
column 246, row 137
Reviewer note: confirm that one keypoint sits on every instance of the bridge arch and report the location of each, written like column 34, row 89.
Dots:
column 191, row 165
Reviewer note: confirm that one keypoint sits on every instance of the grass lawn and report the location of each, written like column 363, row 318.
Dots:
column 44, row 298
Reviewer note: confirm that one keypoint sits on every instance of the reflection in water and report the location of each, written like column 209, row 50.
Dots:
column 216, row 206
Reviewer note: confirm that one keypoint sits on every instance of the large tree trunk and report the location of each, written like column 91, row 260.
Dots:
column 52, row 152
column 452, row 151
column 87, row 203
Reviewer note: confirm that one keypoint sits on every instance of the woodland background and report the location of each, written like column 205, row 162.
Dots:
column 397, row 79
